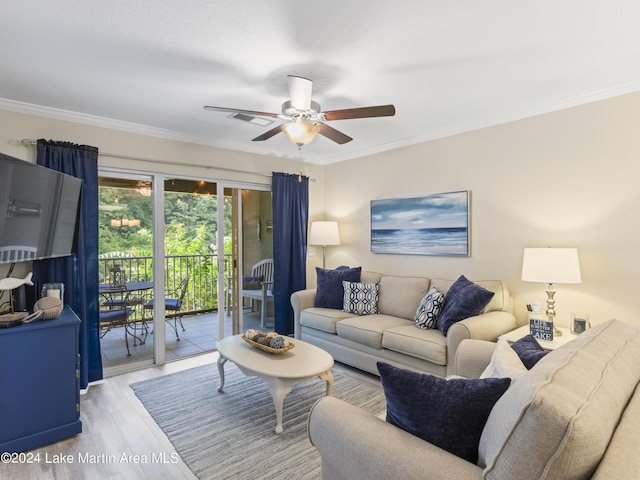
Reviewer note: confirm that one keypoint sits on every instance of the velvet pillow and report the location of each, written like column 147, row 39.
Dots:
column 429, row 309
column 329, row 291
column 360, row 298
column 504, row 363
column 252, row 282
column 450, row 414
column 463, row 300
column 529, row 351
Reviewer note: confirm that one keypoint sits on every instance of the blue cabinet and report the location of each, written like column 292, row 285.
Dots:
column 39, row 383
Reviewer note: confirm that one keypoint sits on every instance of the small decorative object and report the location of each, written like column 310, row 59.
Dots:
column 579, row 323
column 540, row 328
column 267, row 341
column 117, row 276
column 55, row 290
column 436, row 224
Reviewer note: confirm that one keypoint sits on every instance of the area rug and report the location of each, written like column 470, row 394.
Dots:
column 231, row 434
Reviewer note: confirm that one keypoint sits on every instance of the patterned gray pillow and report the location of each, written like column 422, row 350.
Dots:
column 360, row 298
column 429, row 309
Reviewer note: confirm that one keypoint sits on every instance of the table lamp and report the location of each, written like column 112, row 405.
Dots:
column 324, row 233
column 551, row 265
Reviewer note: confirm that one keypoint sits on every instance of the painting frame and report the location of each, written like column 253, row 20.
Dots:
column 435, row 224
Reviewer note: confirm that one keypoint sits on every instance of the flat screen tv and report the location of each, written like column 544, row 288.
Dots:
column 39, row 211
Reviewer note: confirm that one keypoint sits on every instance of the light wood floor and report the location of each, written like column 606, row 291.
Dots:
column 120, row 440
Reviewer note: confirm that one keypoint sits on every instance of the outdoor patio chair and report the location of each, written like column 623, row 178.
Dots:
column 259, row 286
column 119, row 317
column 173, row 303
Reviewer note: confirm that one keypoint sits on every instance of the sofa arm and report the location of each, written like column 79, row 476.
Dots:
column 354, row 444
column 487, row 326
column 299, row 301
column 472, row 357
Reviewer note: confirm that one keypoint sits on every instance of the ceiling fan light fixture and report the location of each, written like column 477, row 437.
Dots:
column 300, row 133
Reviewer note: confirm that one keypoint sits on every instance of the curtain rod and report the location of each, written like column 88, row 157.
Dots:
column 32, row 143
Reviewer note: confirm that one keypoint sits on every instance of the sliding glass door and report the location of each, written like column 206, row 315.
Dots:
column 173, row 253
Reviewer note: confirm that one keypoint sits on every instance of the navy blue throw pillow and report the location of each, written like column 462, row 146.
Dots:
column 450, row 414
column 329, row 290
column 529, row 351
column 463, row 300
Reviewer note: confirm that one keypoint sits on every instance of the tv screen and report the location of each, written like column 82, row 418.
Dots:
column 39, row 211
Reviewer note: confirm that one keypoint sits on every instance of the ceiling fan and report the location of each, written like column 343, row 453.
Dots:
column 305, row 119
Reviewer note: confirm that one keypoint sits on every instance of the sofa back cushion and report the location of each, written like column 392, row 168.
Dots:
column 500, row 301
column 400, row 296
column 558, row 419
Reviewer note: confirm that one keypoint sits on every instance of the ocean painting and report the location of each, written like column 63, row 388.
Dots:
column 436, row 224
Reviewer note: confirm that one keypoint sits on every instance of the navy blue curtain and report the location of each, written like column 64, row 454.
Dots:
column 79, row 273
column 290, row 200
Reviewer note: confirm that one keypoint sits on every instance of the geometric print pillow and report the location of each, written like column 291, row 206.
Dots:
column 429, row 309
column 360, row 298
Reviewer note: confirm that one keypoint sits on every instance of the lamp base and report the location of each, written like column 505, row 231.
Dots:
column 551, row 311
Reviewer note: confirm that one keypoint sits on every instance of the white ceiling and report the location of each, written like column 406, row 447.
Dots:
column 448, row 66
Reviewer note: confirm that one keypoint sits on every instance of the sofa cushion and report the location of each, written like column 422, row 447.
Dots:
column 464, row 299
column 505, row 362
column 429, row 345
column 563, row 412
column 529, row 350
column 447, row 413
column 323, row 319
column 429, row 309
column 329, row 293
column 400, row 296
column 360, row 298
column 367, row 330
column 254, row 282
column 501, row 299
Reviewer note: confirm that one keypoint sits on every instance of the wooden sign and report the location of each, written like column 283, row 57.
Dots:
column 541, row 329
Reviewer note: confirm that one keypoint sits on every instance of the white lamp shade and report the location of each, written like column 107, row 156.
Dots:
column 551, row 265
column 324, row 233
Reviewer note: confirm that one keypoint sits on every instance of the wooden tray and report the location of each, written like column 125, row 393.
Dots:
column 268, row 349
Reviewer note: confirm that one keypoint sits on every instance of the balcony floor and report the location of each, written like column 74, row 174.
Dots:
column 200, row 336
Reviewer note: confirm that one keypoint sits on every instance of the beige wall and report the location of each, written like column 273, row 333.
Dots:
column 568, row 178
column 565, row 179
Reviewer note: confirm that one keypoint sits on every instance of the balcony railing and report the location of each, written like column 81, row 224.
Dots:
column 202, row 291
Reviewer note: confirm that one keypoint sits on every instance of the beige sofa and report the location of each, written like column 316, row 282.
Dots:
column 574, row 415
column 391, row 335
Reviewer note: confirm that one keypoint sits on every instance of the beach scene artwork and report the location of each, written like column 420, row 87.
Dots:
column 436, row 224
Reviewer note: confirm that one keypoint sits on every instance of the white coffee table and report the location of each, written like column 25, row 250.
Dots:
column 278, row 371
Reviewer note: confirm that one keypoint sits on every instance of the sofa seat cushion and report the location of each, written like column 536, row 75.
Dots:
column 400, row 296
column 429, row 345
column 367, row 330
column 572, row 400
column 323, row 319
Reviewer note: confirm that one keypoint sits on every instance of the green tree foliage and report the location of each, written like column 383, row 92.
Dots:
column 190, row 234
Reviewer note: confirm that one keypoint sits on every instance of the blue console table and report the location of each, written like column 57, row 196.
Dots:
column 39, row 383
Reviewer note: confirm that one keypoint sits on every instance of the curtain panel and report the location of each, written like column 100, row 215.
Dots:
column 290, row 217
column 79, row 273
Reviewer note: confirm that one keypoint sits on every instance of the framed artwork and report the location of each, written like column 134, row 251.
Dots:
column 436, row 224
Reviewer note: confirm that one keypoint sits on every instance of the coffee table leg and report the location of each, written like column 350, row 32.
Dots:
column 328, row 377
column 221, row 362
column 279, row 389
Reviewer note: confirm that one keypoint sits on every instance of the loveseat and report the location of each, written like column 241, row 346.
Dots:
column 574, row 415
column 391, row 335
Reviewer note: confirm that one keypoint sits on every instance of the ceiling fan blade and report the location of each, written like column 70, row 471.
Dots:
column 245, row 112
column 333, row 134
column 363, row 112
column 300, row 92
column 267, row 135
